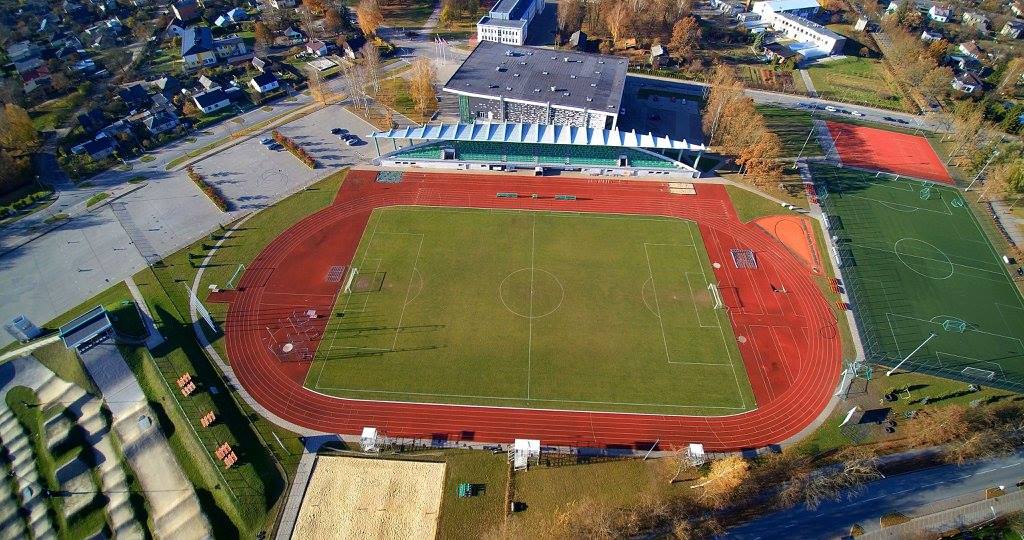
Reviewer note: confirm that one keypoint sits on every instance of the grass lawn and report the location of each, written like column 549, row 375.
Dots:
column 407, row 13
column 917, row 266
column 793, row 127
column 533, row 309
column 860, row 81
column 53, row 113
column 97, row 198
column 619, row 484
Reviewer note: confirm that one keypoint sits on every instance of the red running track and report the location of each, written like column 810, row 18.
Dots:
column 888, row 151
column 791, row 349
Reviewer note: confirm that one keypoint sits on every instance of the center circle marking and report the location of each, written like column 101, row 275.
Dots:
column 515, row 292
column 923, row 258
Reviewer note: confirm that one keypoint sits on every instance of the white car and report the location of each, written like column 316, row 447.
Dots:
column 857, row 113
column 830, row 108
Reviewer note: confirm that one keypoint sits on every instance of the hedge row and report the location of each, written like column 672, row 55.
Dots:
column 23, row 203
column 295, row 149
column 209, row 189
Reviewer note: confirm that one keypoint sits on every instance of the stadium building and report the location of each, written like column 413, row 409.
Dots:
column 508, row 21
column 539, row 148
column 529, row 85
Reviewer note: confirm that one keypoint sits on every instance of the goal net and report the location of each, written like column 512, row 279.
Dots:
column 351, row 277
column 717, row 296
column 978, row 373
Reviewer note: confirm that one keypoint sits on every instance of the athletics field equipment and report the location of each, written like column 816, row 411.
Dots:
column 772, row 313
column 917, row 266
column 888, row 151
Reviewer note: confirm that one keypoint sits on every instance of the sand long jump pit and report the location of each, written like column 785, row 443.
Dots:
column 363, row 498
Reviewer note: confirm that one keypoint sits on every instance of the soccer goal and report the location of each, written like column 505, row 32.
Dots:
column 717, row 296
column 978, row 373
column 351, row 277
column 954, row 325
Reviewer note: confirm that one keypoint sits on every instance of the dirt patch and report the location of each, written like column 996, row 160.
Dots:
column 797, row 234
column 371, row 498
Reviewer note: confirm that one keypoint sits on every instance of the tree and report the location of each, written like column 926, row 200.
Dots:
column 1012, row 74
column 11, row 91
column 316, row 7
column 1007, row 180
column 617, row 18
column 448, row 16
column 936, row 83
column 142, row 29
column 724, row 478
column 686, row 34
column 588, row 518
column 570, row 16
column 760, row 161
column 422, row 86
column 369, row 16
column 190, row 109
column 356, row 86
column 264, row 38
column 17, row 134
column 332, row 20
column 371, row 66
column 938, row 426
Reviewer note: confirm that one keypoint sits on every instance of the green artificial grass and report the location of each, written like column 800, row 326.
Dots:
column 914, row 266
column 532, row 309
column 794, row 128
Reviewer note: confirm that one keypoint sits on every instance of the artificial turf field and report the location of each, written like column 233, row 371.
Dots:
column 911, row 264
column 532, row 309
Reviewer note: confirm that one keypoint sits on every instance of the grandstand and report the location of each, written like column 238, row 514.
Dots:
column 509, row 147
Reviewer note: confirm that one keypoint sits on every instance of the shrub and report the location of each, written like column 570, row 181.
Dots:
column 210, row 190
column 296, row 150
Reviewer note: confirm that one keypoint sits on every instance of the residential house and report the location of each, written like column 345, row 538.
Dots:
column 85, row 65
column 578, row 40
column 977, row 20
column 167, row 86
column 1017, row 7
column 968, row 83
column 861, row 25
column 99, row 148
column 234, row 16
column 160, row 102
column 211, row 101
column 659, row 56
column 930, row 36
column 316, row 48
column 259, row 64
column 940, row 13
column 893, row 6
column 1013, row 29
column 77, row 12
column 208, row 83
column 972, row 50
column 281, row 4
column 160, row 122
column 134, row 97
column 37, row 78
column 174, row 29
column 92, row 120
column 186, row 10
column 264, row 83
column 294, row 36
column 197, row 47
column 229, row 46
column 23, row 50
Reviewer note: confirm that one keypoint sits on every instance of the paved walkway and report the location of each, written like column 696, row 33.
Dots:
column 153, row 337
column 934, row 525
column 173, row 505
column 808, row 83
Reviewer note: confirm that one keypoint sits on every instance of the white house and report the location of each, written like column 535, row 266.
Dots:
column 264, row 83
column 789, row 17
column 967, row 83
column 930, row 36
column 508, row 21
column 316, row 48
column 280, row 4
column 211, row 101
column 1013, row 29
column 977, row 20
column 971, row 48
column 940, row 13
column 294, row 36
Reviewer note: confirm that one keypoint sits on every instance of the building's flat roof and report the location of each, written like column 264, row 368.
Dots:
column 792, row 5
column 85, row 327
column 491, row 21
column 506, row 8
column 581, row 80
column 807, row 23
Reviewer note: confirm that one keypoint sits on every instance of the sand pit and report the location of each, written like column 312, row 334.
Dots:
column 371, row 498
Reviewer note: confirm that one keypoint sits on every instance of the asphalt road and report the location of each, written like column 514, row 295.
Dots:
column 906, row 493
column 815, row 105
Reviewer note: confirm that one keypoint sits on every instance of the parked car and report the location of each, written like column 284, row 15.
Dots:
column 337, row 131
column 267, row 142
column 830, row 108
column 275, row 146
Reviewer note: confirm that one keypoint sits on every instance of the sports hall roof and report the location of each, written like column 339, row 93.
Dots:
column 535, row 133
column 561, row 78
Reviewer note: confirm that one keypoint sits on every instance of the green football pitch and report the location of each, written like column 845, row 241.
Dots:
column 532, row 309
column 916, row 262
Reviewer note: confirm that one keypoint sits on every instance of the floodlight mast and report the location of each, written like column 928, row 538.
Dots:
column 912, row 353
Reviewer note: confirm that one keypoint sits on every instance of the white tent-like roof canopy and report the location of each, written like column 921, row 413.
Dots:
column 536, row 133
